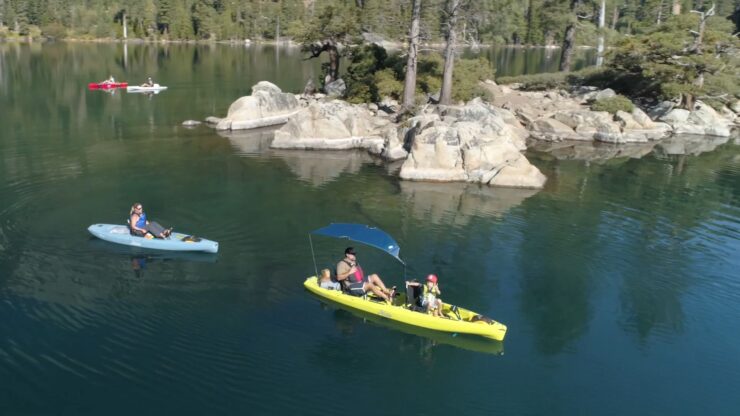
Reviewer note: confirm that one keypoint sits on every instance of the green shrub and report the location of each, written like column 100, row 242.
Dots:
column 613, row 104
column 365, row 61
column 387, row 84
column 537, row 82
column 593, row 76
column 466, row 79
column 54, row 31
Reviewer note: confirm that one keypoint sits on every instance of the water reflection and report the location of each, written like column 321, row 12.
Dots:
column 688, row 145
column 509, row 61
column 598, row 152
column 321, row 167
column 254, row 142
column 592, row 151
column 415, row 338
column 456, row 203
column 317, row 167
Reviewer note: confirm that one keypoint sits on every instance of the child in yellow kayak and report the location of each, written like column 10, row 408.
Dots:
column 326, row 282
column 429, row 299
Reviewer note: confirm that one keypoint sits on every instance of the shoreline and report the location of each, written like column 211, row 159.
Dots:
column 391, row 45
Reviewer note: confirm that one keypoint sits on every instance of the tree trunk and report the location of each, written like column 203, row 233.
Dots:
column 125, row 30
column 602, row 23
column 333, row 62
column 697, row 47
column 688, row 101
column 615, row 17
column 409, row 86
column 676, row 9
column 528, row 35
column 445, row 96
column 569, row 43
column 660, row 11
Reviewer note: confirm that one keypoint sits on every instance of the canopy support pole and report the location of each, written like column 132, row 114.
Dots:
column 313, row 256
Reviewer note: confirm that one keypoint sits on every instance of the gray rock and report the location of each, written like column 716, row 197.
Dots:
column 626, row 121
column 604, row 94
column 310, row 88
column 552, row 130
column 609, row 133
column 641, row 118
column 335, row 88
column 661, row 109
column 676, row 115
column 735, row 107
column 334, row 125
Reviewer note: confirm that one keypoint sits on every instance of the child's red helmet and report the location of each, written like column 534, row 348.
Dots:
column 432, row 278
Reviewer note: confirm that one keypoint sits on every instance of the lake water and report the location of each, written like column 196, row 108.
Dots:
column 619, row 281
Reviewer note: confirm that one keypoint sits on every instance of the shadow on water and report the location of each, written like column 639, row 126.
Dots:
column 346, row 318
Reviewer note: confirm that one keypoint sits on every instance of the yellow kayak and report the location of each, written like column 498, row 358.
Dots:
column 456, row 320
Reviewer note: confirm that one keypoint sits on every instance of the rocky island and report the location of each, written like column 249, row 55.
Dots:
column 475, row 142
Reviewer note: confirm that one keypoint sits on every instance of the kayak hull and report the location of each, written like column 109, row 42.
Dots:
column 119, row 234
column 106, row 86
column 155, row 88
column 399, row 311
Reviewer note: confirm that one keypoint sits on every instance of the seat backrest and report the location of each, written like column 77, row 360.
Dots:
column 413, row 295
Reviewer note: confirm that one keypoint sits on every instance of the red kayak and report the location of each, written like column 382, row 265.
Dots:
column 106, row 85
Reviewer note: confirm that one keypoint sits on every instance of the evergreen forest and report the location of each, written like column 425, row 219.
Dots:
column 512, row 22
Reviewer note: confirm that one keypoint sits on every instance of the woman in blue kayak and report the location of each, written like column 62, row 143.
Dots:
column 141, row 226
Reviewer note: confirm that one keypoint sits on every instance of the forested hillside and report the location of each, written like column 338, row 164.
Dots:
column 529, row 22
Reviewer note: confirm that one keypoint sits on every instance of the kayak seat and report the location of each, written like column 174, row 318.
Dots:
column 413, row 298
column 133, row 232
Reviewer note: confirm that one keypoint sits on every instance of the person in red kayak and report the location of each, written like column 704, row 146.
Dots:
column 110, row 80
column 354, row 281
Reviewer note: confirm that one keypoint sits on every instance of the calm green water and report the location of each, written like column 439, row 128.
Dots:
column 619, row 282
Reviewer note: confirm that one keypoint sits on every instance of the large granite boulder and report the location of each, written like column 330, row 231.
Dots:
column 267, row 106
column 703, row 120
column 494, row 122
column 435, row 156
column 475, row 145
column 334, row 125
column 550, row 129
column 637, row 127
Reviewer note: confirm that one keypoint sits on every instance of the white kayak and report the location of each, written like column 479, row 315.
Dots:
column 120, row 234
column 138, row 88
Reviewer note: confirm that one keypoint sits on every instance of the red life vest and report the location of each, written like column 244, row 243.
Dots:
column 359, row 274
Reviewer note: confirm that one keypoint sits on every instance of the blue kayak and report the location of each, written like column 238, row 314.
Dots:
column 176, row 242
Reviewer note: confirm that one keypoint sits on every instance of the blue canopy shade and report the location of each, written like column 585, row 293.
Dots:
column 371, row 236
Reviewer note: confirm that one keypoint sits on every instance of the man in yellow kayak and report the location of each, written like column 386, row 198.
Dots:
column 354, row 281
